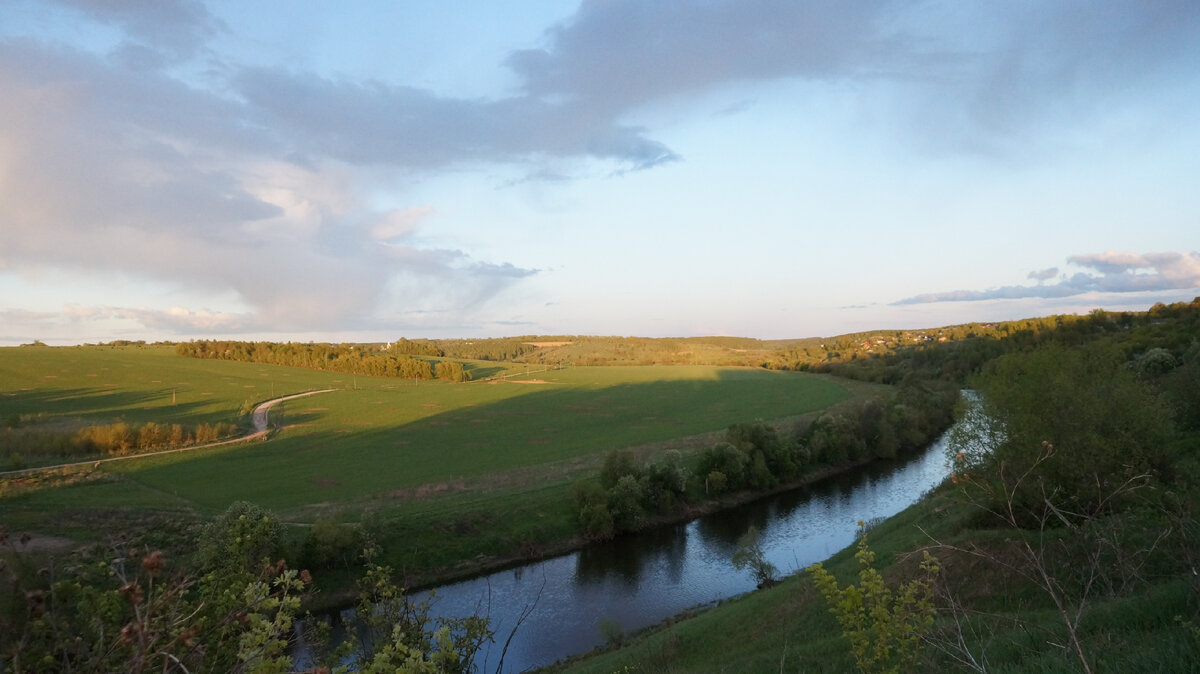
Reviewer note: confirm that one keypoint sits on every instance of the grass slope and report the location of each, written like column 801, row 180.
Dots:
column 448, row 471
column 788, row 628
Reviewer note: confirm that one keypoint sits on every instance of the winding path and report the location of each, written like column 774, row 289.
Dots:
column 258, row 419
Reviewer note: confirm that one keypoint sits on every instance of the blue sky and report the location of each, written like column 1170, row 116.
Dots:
column 174, row 169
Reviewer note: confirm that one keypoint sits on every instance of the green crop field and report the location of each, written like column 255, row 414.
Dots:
column 417, row 453
column 386, row 434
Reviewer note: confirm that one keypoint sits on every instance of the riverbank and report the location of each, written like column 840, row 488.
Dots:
column 337, row 596
column 642, row 578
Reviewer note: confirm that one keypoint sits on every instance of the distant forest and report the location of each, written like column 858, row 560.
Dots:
column 881, row 356
column 349, row 358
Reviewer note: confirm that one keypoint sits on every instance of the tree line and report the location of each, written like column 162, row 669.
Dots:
column 364, row 359
column 22, row 444
column 755, row 457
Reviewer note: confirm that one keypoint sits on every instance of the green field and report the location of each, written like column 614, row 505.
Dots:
column 408, row 452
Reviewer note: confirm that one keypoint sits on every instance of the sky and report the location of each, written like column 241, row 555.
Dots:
column 362, row 171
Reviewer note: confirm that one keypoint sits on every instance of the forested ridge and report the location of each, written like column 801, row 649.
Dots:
column 884, row 356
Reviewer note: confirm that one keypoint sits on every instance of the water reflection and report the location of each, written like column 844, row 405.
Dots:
column 664, row 547
column 642, row 579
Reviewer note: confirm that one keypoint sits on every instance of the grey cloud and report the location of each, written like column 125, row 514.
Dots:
column 175, row 28
column 1043, row 275
column 376, row 123
column 971, row 76
column 1167, row 271
column 622, row 53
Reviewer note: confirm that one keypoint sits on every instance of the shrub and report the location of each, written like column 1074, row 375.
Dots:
column 749, row 555
column 727, row 460
column 329, row 544
column 617, row 464
column 884, row 627
column 625, row 503
column 716, row 482
column 240, row 539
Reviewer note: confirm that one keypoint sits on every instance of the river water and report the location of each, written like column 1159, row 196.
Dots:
column 641, row 579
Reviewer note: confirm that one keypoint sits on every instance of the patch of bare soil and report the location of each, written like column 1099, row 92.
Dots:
column 527, row 381
column 427, row 491
column 325, row 482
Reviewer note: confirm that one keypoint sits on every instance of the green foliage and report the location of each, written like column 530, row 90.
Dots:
column 401, row 636
column 272, row 606
column 119, row 610
column 715, row 483
column 1154, row 362
column 449, row 370
column 120, row 615
column 884, row 627
column 625, row 503
column 1068, row 425
column 749, row 555
column 665, row 481
column 727, row 460
column 329, row 544
column 618, row 463
column 833, row 439
column 1182, row 388
column 240, row 541
column 591, row 500
column 47, row 444
column 596, row 521
column 362, row 359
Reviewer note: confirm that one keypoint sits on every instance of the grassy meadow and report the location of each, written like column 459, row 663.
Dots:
column 487, row 461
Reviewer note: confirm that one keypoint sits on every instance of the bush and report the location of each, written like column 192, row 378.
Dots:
column 884, row 628
column 625, row 503
column 329, row 544
column 596, row 522
column 617, row 464
column 832, row 439
column 666, row 480
column 749, row 555
column 240, row 540
column 727, row 460
column 1066, row 425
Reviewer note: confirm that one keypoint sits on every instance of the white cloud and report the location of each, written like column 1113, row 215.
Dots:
column 398, row 224
column 1120, row 272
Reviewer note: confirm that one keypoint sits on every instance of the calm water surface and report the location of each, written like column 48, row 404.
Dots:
column 641, row 579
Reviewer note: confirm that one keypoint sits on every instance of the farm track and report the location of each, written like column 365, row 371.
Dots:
column 258, row 419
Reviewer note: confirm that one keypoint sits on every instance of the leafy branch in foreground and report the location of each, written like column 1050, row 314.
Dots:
column 884, row 627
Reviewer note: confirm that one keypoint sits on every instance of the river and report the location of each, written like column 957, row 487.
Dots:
column 640, row 579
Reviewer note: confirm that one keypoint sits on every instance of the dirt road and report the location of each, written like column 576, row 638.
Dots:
column 258, row 419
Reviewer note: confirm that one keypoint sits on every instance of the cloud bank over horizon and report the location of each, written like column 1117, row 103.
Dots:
column 1119, row 272
column 215, row 179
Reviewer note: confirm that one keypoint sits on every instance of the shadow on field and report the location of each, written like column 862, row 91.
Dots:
column 481, row 372
column 545, row 434
column 104, row 406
